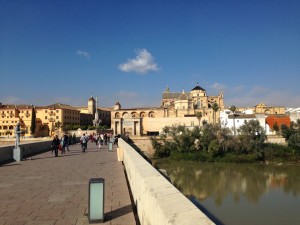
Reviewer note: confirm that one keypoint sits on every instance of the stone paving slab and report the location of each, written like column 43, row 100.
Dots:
column 48, row 190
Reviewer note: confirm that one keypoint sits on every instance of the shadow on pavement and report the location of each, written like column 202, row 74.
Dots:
column 118, row 212
column 10, row 165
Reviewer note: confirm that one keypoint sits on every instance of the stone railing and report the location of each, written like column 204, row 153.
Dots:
column 28, row 149
column 156, row 199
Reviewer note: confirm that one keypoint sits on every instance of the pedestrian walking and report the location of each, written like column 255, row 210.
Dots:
column 105, row 138
column 74, row 139
column 101, row 138
column 55, row 145
column 116, row 140
column 83, row 141
column 65, row 143
column 62, row 144
column 70, row 139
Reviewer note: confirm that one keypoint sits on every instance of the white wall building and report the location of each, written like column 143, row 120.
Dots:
column 237, row 120
column 294, row 113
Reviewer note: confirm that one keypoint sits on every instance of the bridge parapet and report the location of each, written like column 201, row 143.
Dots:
column 156, row 199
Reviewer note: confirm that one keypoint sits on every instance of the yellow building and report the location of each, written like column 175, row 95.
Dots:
column 23, row 114
column 261, row 108
column 44, row 118
column 177, row 108
column 57, row 116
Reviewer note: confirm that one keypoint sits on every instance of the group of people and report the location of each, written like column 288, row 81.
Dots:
column 100, row 139
column 68, row 139
column 62, row 143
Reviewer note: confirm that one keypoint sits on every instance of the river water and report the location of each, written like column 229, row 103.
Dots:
column 240, row 194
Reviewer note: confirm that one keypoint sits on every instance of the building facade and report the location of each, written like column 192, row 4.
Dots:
column 37, row 121
column 57, row 116
column 177, row 108
column 87, row 114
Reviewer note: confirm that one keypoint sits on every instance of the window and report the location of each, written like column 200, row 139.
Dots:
column 56, row 117
column 192, row 123
column 45, row 117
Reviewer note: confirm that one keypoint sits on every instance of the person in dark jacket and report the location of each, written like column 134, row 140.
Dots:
column 55, row 144
column 65, row 143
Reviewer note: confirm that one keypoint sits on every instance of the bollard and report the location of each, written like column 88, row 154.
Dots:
column 96, row 200
column 110, row 146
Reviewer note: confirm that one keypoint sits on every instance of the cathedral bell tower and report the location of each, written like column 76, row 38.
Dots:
column 92, row 105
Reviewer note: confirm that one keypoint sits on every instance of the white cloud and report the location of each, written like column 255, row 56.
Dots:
column 143, row 63
column 84, row 54
column 218, row 87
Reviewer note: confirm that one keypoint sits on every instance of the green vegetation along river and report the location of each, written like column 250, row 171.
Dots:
column 248, row 194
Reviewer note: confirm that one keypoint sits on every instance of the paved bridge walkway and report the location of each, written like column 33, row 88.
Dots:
column 45, row 190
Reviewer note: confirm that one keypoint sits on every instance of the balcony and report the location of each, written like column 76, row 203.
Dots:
column 51, row 113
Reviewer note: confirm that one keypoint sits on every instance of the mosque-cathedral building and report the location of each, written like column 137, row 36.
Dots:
column 177, row 108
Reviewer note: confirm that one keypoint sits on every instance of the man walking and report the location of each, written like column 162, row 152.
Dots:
column 55, row 144
column 83, row 141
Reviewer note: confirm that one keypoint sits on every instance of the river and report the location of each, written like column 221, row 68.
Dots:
column 235, row 194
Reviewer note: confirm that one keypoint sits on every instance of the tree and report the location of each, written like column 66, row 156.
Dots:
column 233, row 109
column 199, row 116
column 33, row 121
column 294, row 141
column 252, row 136
column 69, row 127
column 276, row 127
column 286, row 131
column 215, row 108
column 208, row 134
column 57, row 125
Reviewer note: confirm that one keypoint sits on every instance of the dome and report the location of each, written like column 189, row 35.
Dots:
column 198, row 88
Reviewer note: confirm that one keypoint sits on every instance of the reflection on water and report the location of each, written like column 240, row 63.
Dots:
column 240, row 193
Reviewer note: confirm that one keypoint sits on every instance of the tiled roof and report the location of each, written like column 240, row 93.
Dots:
column 171, row 95
column 139, row 109
column 183, row 96
column 198, row 88
column 242, row 116
column 61, row 106
column 23, row 106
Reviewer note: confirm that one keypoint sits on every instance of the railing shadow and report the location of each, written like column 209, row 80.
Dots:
column 118, row 212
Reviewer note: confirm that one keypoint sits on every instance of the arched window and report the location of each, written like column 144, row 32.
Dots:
column 267, row 111
column 117, row 115
column 125, row 115
column 151, row 114
column 133, row 114
column 142, row 114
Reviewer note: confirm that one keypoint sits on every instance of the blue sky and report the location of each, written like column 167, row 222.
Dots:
column 130, row 51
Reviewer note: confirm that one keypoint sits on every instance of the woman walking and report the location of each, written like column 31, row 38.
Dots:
column 55, row 145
